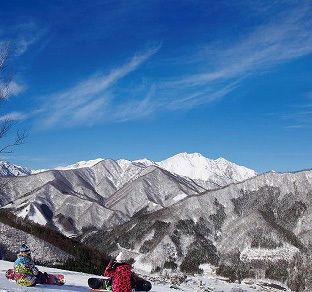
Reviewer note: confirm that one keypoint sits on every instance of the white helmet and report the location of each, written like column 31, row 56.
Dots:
column 120, row 258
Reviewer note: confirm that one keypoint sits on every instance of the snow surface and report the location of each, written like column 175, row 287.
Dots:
column 76, row 281
column 33, row 214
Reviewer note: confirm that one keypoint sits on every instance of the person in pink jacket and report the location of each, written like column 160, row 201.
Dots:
column 120, row 271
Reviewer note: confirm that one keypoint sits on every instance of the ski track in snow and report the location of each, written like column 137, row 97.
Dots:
column 76, row 281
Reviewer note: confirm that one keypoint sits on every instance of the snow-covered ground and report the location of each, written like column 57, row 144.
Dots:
column 78, row 282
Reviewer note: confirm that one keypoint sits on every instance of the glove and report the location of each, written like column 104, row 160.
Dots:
column 35, row 271
column 46, row 277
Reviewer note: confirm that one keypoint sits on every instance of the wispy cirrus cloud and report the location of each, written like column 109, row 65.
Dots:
column 219, row 68
column 295, row 127
column 15, row 88
column 22, row 36
column 136, row 108
column 15, row 41
column 23, row 158
column 90, row 100
column 281, row 38
column 298, row 119
column 10, row 88
column 13, row 116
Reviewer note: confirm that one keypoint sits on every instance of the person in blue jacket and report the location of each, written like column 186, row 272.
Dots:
column 25, row 271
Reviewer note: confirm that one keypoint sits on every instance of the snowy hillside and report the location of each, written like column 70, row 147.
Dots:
column 44, row 251
column 262, row 221
column 78, row 282
column 8, row 169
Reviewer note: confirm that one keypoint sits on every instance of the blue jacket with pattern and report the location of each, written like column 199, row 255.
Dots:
column 25, row 271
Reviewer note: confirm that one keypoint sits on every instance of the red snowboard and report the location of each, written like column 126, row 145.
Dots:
column 56, row 279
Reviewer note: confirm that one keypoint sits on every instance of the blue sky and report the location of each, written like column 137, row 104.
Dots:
column 134, row 79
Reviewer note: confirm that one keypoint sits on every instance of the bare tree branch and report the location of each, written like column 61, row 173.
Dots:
column 5, row 79
column 5, row 73
column 6, row 126
column 20, row 139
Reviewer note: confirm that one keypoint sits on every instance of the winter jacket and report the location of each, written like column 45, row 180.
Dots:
column 121, row 274
column 25, row 271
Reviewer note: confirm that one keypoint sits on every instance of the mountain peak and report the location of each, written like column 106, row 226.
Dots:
column 221, row 159
column 80, row 164
column 188, row 155
column 9, row 169
column 197, row 166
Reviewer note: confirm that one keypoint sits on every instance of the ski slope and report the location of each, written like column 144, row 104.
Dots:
column 78, row 282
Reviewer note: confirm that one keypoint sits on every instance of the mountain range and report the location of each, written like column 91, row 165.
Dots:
column 106, row 192
column 178, row 213
column 259, row 228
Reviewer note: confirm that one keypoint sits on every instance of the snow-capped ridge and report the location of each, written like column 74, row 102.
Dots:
column 9, row 169
column 191, row 165
column 196, row 166
column 80, row 164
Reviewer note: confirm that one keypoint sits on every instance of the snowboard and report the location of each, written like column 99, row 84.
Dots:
column 56, row 279
column 53, row 279
column 104, row 284
column 139, row 284
column 9, row 274
column 100, row 284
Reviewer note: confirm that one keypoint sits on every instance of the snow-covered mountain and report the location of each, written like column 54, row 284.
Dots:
column 262, row 223
column 106, row 194
column 164, row 215
column 80, row 164
column 90, row 194
column 191, row 165
column 9, row 169
column 196, row 166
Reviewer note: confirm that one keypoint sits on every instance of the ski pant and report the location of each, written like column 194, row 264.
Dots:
column 41, row 278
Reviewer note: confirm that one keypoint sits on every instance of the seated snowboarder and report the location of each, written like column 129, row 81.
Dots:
column 25, row 271
column 120, row 271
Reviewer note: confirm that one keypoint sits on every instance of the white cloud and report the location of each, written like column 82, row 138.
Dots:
column 282, row 38
column 27, row 35
column 137, row 108
column 15, row 88
column 286, row 37
column 23, row 158
column 13, row 116
column 279, row 39
column 295, row 127
column 299, row 119
column 21, row 36
column 201, row 97
column 89, row 100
